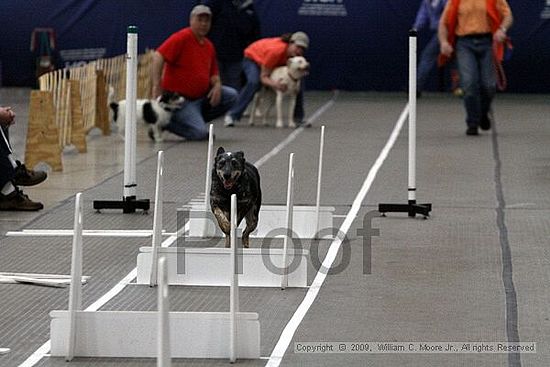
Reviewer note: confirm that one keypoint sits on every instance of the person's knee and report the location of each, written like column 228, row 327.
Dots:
column 197, row 133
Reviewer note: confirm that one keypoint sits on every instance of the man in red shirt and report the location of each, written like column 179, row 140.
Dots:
column 186, row 63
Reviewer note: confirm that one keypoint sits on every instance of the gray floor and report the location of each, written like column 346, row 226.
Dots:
column 476, row 271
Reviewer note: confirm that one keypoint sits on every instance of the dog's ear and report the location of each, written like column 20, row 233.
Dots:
column 239, row 155
column 220, row 151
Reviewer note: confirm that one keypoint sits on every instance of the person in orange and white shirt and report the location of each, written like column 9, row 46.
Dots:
column 475, row 30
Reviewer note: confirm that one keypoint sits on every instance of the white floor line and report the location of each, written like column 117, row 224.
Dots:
column 290, row 329
column 45, row 348
column 296, row 132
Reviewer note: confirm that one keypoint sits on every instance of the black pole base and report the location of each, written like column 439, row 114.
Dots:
column 412, row 208
column 128, row 204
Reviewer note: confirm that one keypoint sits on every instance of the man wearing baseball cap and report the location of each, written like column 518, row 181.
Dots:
column 260, row 59
column 186, row 64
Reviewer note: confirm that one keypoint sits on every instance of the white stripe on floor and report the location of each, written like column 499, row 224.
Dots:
column 290, row 329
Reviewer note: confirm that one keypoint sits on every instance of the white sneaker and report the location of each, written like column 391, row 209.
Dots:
column 228, row 121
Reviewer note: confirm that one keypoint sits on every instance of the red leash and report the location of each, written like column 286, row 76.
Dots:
column 502, row 82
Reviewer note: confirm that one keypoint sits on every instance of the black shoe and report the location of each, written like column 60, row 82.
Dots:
column 472, row 130
column 27, row 177
column 485, row 123
column 17, row 201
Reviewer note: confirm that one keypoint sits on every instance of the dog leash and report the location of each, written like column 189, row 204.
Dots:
column 6, row 140
column 502, row 81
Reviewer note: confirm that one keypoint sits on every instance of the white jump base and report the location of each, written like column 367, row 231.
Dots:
column 212, row 266
column 129, row 334
column 271, row 223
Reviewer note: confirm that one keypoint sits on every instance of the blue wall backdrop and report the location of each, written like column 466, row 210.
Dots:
column 355, row 44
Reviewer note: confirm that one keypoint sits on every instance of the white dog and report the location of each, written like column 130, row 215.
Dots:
column 291, row 75
column 156, row 113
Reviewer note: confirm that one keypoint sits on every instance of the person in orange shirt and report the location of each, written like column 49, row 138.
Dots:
column 260, row 58
column 475, row 30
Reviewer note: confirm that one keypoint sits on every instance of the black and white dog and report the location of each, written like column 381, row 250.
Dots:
column 232, row 174
column 156, row 113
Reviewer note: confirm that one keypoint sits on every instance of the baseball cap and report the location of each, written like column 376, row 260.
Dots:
column 300, row 39
column 201, row 9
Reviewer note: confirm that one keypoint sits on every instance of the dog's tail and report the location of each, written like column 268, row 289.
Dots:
column 114, row 108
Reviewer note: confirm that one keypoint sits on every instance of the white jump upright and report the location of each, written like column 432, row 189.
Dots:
column 289, row 217
column 234, row 287
column 412, row 208
column 75, row 294
column 163, row 329
column 208, row 180
column 157, row 221
column 319, row 177
column 129, row 204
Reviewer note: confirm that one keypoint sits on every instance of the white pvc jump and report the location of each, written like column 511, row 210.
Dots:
column 212, row 266
column 134, row 334
column 307, row 219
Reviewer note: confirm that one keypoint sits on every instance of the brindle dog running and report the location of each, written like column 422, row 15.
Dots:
column 232, row 174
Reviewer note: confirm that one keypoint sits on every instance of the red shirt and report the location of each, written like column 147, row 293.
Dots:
column 189, row 65
column 268, row 52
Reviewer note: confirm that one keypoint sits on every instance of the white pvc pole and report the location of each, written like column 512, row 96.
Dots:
column 4, row 350
column 163, row 329
column 234, row 286
column 130, row 123
column 289, row 217
column 157, row 221
column 208, row 180
column 319, row 176
column 75, row 293
column 412, row 116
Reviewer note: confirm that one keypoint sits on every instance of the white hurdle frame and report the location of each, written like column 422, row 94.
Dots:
column 202, row 261
column 157, row 221
column 289, row 217
column 136, row 334
column 202, row 226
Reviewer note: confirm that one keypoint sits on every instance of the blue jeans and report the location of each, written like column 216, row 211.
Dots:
column 190, row 120
column 477, row 76
column 253, row 84
column 428, row 59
